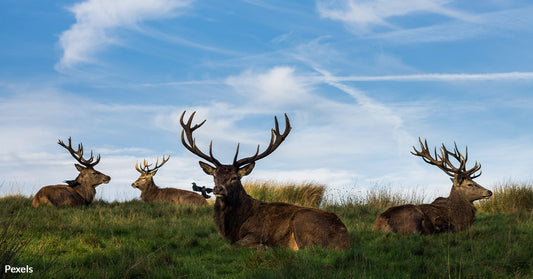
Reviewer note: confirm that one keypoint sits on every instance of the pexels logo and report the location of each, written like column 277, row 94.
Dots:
column 18, row 269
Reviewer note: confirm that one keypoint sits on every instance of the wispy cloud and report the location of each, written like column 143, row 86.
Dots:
column 96, row 21
column 435, row 77
column 362, row 17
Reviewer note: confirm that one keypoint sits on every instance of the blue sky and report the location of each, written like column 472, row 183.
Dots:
column 359, row 80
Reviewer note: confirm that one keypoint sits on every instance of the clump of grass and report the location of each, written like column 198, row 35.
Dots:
column 509, row 197
column 383, row 197
column 303, row 193
column 379, row 197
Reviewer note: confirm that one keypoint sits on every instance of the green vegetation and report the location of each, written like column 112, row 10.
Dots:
column 134, row 239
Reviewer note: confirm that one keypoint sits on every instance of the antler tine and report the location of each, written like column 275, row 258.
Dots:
column 436, row 160
column 162, row 163
column 191, row 145
column 78, row 155
column 146, row 166
column 137, row 167
column 442, row 160
column 276, row 138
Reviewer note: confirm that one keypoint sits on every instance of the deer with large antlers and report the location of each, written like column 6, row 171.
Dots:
column 79, row 191
column 247, row 222
column 454, row 213
column 152, row 193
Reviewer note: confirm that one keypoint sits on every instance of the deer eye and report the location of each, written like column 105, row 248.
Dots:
column 235, row 178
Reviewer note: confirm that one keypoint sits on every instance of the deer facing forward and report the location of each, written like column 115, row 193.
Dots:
column 78, row 192
column 152, row 193
column 247, row 222
column 454, row 213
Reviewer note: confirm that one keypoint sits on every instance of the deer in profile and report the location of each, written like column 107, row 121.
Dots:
column 79, row 191
column 451, row 214
column 248, row 222
column 152, row 193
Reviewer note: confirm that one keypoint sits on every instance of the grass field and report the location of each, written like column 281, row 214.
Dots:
column 134, row 239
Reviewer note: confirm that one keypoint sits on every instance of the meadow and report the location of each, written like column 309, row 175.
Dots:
column 138, row 240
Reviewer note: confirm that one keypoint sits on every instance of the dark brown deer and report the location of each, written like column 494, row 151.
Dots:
column 247, row 222
column 454, row 213
column 78, row 192
column 151, row 193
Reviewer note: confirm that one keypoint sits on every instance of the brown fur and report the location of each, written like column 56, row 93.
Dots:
column 247, row 222
column 80, row 193
column 454, row 213
column 251, row 223
column 151, row 193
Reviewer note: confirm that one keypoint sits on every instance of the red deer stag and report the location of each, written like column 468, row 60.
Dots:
column 151, row 193
column 78, row 192
column 454, row 213
column 247, row 222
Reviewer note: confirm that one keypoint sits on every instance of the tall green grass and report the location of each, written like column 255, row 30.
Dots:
column 305, row 193
column 138, row 240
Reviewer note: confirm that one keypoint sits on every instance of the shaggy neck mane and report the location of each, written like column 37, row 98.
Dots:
column 230, row 214
column 85, row 191
column 150, row 192
column 461, row 210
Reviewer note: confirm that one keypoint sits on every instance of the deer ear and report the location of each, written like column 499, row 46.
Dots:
column 207, row 168
column 79, row 167
column 246, row 170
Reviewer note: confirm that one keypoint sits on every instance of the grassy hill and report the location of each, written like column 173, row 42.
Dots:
column 134, row 239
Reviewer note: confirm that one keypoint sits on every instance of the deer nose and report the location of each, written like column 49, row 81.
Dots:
column 218, row 190
column 489, row 193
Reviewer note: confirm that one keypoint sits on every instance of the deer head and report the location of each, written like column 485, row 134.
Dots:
column 227, row 178
column 461, row 177
column 88, row 175
column 147, row 173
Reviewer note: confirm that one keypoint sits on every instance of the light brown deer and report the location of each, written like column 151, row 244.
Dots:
column 454, row 213
column 247, row 222
column 152, row 193
column 79, row 191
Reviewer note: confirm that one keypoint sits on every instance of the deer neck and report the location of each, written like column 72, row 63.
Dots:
column 150, row 192
column 229, row 215
column 461, row 210
column 86, row 191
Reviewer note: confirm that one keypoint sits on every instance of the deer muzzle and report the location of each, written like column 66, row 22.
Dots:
column 219, row 191
column 487, row 194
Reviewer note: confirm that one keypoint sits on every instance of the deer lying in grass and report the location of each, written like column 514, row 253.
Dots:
column 454, row 213
column 79, row 191
column 251, row 223
column 151, row 193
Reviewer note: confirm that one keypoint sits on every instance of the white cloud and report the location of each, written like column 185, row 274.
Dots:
column 278, row 86
column 362, row 16
column 96, row 20
column 500, row 22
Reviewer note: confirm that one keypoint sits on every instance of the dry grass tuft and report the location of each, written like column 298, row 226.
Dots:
column 302, row 193
column 509, row 197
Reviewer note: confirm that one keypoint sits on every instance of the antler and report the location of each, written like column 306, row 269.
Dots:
column 275, row 140
column 78, row 155
column 145, row 169
column 191, row 145
column 442, row 160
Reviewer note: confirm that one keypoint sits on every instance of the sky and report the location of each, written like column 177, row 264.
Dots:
column 360, row 81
